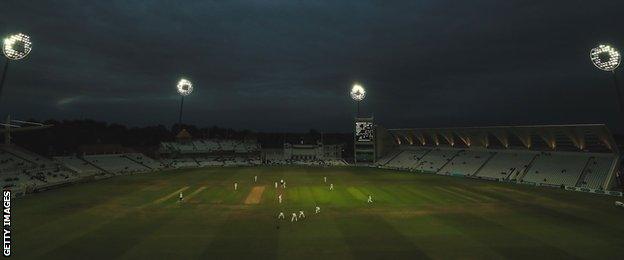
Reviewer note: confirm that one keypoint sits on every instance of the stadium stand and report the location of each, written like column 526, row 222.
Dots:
column 556, row 168
column 407, row 159
column 209, row 161
column 9, row 162
column 23, row 170
column 597, row 171
column 308, row 162
column 145, row 161
column 506, row 165
column 115, row 163
column 207, row 146
column 316, row 154
column 546, row 168
column 433, row 161
column 209, row 152
column 79, row 165
column 180, row 163
column 466, row 162
column 387, row 158
column 578, row 156
column 523, row 161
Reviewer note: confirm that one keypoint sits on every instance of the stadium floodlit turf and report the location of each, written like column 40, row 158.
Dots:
column 413, row 216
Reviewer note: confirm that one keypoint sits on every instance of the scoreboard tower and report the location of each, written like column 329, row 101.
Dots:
column 364, row 140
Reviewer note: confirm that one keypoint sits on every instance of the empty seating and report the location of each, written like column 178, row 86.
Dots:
column 466, row 162
column 407, row 159
column 79, row 165
column 388, row 157
column 21, row 169
column 596, row 172
column 145, row 161
column 506, row 164
column 573, row 169
column 10, row 162
column 180, row 163
column 436, row 159
column 115, row 163
column 209, row 161
column 556, row 168
column 210, row 146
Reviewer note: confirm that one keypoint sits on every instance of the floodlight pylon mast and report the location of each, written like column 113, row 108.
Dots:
column 618, row 91
column 4, row 72
column 181, row 109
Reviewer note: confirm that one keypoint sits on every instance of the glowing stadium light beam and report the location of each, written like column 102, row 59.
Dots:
column 607, row 58
column 185, row 88
column 14, row 47
column 17, row 46
column 358, row 93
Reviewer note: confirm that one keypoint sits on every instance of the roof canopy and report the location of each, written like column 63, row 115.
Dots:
column 13, row 126
column 586, row 137
column 20, row 126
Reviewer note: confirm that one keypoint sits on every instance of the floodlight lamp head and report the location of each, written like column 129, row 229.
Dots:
column 358, row 93
column 16, row 46
column 605, row 57
column 185, row 87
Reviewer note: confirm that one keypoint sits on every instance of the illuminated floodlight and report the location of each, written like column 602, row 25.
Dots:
column 605, row 57
column 185, row 87
column 17, row 46
column 358, row 93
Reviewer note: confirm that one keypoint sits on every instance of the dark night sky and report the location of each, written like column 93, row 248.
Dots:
column 288, row 65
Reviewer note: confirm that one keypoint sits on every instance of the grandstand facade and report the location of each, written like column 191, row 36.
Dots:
column 318, row 154
column 577, row 157
column 209, row 152
column 26, row 171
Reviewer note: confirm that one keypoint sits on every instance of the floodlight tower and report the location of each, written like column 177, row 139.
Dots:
column 15, row 47
column 185, row 88
column 358, row 93
column 607, row 58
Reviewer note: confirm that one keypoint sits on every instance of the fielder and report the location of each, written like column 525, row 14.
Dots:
column 370, row 199
column 331, row 186
column 301, row 215
column 281, row 215
column 619, row 204
column 235, row 185
column 294, row 217
column 325, row 179
column 256, row 178
column 181, row 197
column 279, row 198
column 276, row 185
column 318, row 210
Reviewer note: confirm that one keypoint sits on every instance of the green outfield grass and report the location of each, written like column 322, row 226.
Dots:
column 413, row 216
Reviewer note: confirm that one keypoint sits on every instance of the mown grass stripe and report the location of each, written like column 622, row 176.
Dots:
column 171, row 195
column 422, row 195
column 356, row 193
column 190, row 196
column 474, row 194
column 458, row 195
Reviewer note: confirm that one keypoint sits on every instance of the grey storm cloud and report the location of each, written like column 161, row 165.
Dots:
column 288, row 65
